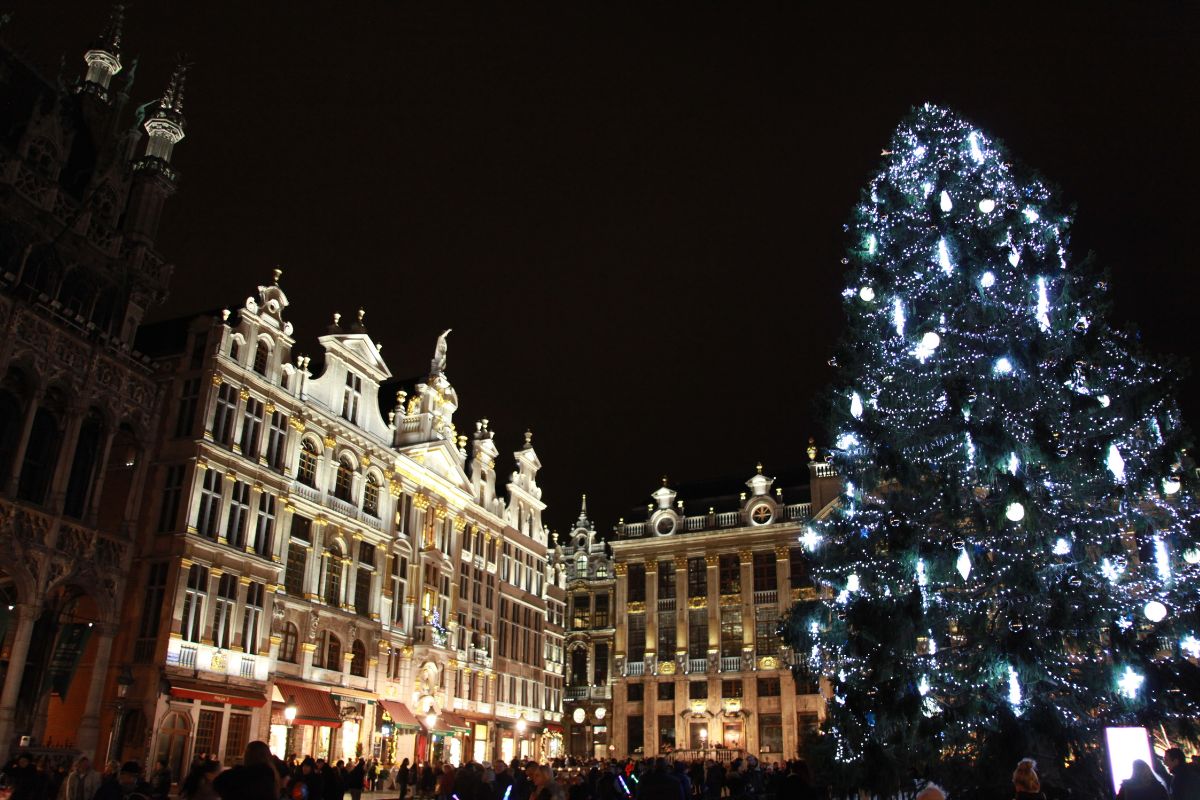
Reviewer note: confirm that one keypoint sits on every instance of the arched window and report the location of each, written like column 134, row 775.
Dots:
column 235, row 348
column 83, row 467
column 358, row 663
column 371, row 496
column 262, row 357
column 306, row 471
column 333, row 577
column 289, row 642
column 41, row 456
column 333, row 652
column 344, row 480
column 173, row 736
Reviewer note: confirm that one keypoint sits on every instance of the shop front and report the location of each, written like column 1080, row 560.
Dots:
column 217, row 719
column 316, row 726
column 396, row 729
column 441, row 738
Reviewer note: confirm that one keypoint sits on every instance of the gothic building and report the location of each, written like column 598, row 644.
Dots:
column 698, row 665
column 321, row 539
column 83, row 182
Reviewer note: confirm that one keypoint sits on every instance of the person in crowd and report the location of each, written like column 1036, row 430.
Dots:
column 333, row 782
column 1026, row 783
column 428, row 780
column 198, row 785
column 445, row 782
column 1142, row 785
column 305, row 784
column 1185, row 777
column 545, row 787
column 257, row 778
column 503, row 780
column 161, row 780
column 81, row 783
column 931, row 791
column 23, row 777
column 129, row 784
column 356, row 777
column 658, row 783
column 401, row 779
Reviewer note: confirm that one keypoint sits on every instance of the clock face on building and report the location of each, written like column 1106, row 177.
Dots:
column 665, row 526
column 761, row 514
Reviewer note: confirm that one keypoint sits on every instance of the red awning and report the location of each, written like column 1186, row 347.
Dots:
column 401, row 716
column 554, row 727
column 313, row 706
column 447, row 722
column 219, row 693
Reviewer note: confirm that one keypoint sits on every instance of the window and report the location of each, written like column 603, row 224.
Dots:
column 333, row 577
column 731, row 632
column 223, row 415
column 235, row 347
column 697, row 577
column 731, row 689
column 698, row 633
column 600, row 668
column 636, row 591
column 301, row 528
column 222, row 630
column 252, row 618
column 371, row 496
column 362, row 593
column 185, row 419
column 262, row 358
column 252, row 422
column 798, row 568
column 235, row 740
column 264, row 525
column 289, row 643
column 581, row 619
column 239, row 514
column 698, row 690
column 276, row 440
column 666, row 636
column 193, row 603
column 297, row 561
column 729, row 573
column 351, row 396
column 768, row 687
column 666, row 727
column 208, row 731
column 399, row 586
column 766, row 631
column 358, row 659
column 637, row 733
column 666, row 690
column 331, row 650
column 765, row 574
column 208, row 516
column 344, row 481
column 172, row 495
column 770, row 733
column 637, row 637
column 306, row 470
column 600, row 615
column 666, row 580
column 578, row 667
column 152, row 608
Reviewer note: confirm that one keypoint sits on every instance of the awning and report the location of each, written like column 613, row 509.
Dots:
column 219, row 693
column 353, row 695
column 447, row 723
column 553, row 727
column 401, row 716
column 313, row 706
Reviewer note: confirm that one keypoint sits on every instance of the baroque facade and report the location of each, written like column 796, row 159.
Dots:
column 83, row 182
column 698, row 664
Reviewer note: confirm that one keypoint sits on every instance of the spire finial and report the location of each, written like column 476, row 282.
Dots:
column 583, row 506
column 664, row 480
column 528, row 437
column 110, row 35
column 362, row 312
column 758, row 467
column 337, row 318
column 277, row 272
column 812, row 449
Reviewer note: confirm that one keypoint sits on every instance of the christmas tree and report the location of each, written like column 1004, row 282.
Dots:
column 1013, row 564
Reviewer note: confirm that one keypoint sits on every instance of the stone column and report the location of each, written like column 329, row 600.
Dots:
column 89, row 725
column 93, row 509
column 27, row 614
column 713, row 586
column 622, row 626
column 66, row 459
column 181, row 581
column 210, row 406
column 746, row 564
column 18, row 456
column 652, row 654
column 783, row 577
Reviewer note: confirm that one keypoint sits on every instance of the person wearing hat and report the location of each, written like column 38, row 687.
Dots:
column 128, row 785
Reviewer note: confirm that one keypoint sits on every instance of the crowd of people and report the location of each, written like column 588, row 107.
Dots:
column 262, row 776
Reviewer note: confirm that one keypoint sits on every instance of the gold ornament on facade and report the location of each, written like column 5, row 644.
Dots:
column 636, row 607
column 244, row 393
column 746, row 556
column 269, row 407
column 365, row 460
column 330, row 442
column 698, row 602
column 421, row 501
column 219, row 662
column 666, row 668
column 731, row 599
column 202, row 463
column 712, row 559
column 681, row 562
column 768, row 662
column 460, row 524
column 231, row 476
column 621, row 569
column 651, row 567
column 441, row 512
column 297, row 423
column 396, row 488
column 217, row 380
column 782, row 551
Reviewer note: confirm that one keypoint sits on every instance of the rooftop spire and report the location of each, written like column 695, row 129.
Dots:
column 103, row 58
column 583, row 522
column 110, row 35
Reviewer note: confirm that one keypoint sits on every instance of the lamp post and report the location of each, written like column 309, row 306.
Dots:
column 124, row 682
column 289, row 716
column 703, row 742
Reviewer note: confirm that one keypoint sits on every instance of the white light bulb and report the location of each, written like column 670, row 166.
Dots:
column 810, row 539
column 963, row 564
column 1043, row 305
column 1014, row 257
column 1014, row 463
column 856, row 406
column 898, row 316
column 987, row 205
column 922, row 579
column 930, row 341
column 1130, row 682
column 867, row 294
column 919, row 151
column 976, row 150
column 1191, row 555
column 852, row 584
column 1115, row 463
column 1103, row 400
column 944, row 257
column 1015, row 512
column 987, row 280
column 1014, row 690
column 1062, row 547
column 1171, row 485
column 1002, row 366
column 1030, row 215
column 945, row 202
column 1155, row 611
column 1190, row 645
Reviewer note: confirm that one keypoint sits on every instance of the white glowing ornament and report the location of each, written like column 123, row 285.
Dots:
column 1190, row 645
column 1155, row 611
column 1014, row 463
column 846, row 441
column 867, row 294
column 1014, row 690
column 963, row 564
column 1170, row 485
column 872, row 242
column 1191, row 555
column 987, row 205
column 1130, row 682
column 924, row 349
column 987, row 280
column 898, row 316
column 852, row 584
column 856, row 406
column 922, row 579
column 1115, row 463
column 944, row 257
column 976, row 150
column 1043, row 306
column 1108, row 570
column 1162, row 561
column 945, row 202
column 1062, row 547
column 919, row 151
column 1002, row 366
column 923, row 686
column 1014, row 256
column 810, row 539
column 1030, row 215
column 1103, row 400
column 1015, row 512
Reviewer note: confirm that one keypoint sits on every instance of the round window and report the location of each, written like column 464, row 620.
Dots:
column 761, row 514
column 665, row 526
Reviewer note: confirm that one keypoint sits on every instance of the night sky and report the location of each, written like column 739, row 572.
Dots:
column 631, row 216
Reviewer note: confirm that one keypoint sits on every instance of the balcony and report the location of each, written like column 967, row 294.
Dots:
column 246, row 667
column 666, row 604
column 767, row 597
column 731, row 663
column 634, row 669
column 696, row 665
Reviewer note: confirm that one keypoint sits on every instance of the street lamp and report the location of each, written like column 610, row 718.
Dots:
column 289, row 716
column 124, row 681
column 703, row 741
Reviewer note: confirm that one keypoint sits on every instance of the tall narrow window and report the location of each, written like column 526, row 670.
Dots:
column 362, row 593
column 666, row 636
column 358, row 659
column 766, row 577
column 185, row 418
column 224, row 414
column 306, row 471
column 731, row 632
column 399, row 586
column 262, row 358
column 193, row 603
column 637, row 583
column 351, row 396
column 239, row 514
column 666, row 580
column 276, row 440
column 252, row 422
column 371, row 495
column 252, row 618
column 333, row 577
column 697, row 577
column 172, row 494
column 798, row 567
column 333, row 652
column 152, row 612
column 208, row 516
column 344, row 481
column 766, row 626
column 289, row 642
column 264, row 525
column 600, row 612
column 637, row 637
column 600, row 668
column 581, row 618
column 297, row 561
column 729, row 572
column 697, row 633
column 222, row 631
